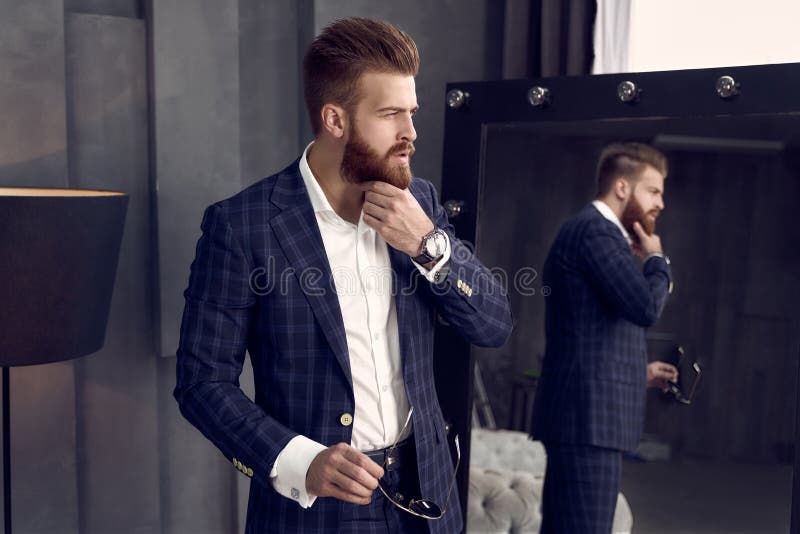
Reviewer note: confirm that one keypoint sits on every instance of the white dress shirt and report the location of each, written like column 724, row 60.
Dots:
column 362, row 274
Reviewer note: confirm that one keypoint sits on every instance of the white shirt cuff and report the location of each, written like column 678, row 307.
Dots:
column 288, row 473
column 440, row 265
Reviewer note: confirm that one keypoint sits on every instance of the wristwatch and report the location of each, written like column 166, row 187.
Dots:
column 433, row 246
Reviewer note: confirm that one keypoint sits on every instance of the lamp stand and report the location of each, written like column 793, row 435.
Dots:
column 6, row 452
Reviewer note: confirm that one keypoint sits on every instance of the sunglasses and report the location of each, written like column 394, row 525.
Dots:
column 424, row 508
column 676, row 391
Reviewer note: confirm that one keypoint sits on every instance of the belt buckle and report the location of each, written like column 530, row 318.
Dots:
column 392, row 459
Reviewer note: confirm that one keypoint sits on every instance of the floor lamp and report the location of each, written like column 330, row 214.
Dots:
column 58, row 260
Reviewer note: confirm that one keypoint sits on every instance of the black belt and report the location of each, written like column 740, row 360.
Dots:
column 391, row 458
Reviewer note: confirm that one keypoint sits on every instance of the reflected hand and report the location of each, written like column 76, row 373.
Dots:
column 659, row 373
column 647, row 243
column 345, row 473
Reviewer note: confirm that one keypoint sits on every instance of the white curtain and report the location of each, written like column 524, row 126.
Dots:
column 611, row 36
column 696, row 34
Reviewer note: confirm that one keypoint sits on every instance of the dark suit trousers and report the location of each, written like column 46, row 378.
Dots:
column 381, row 516
column 580, row 489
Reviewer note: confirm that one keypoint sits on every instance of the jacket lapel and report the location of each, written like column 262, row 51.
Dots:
column 298, row 234
column 403, row 299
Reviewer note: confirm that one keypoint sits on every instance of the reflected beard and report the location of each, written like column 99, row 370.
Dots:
column 361, row 163
column 635, row 212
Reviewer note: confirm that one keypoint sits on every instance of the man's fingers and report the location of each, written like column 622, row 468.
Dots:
column 351, row 475
column 381, row 188
column 366, row 466
column 377, row 199
column 338, row 482
column 637, row 227
column 374, row 210
column 355, row 468
column 373, row 469
column 665, row 369
column 337, row 472
column 350, row 485
column 669, row 371
column 343, row 495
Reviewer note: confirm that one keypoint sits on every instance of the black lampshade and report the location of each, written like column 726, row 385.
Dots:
column 59, row 250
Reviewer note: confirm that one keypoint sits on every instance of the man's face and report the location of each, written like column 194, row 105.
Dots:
column 645, row 201
column 381, row 136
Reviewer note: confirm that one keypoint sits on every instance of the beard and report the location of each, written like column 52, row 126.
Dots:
column 634, row 212
column 361, row 163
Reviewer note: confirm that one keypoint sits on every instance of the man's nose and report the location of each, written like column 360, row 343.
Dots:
column 408, row 133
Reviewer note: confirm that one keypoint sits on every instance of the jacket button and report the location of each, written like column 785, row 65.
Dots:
column 346, row 419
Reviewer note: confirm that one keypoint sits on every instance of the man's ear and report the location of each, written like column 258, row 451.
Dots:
column 334, row 120
column 622, row 188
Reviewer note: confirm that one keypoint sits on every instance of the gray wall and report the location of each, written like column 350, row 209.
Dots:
column 33, row 151
column 178, row 103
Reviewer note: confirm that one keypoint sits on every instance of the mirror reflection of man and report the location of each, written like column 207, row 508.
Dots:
column 339, row 359
column 590, row 398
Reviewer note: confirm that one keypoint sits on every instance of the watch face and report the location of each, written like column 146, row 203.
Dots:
column 434, row 245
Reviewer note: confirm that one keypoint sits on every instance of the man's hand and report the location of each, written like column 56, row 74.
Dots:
column 659, row 373
column 345, row 473
column 647, row 244
column 396, row 215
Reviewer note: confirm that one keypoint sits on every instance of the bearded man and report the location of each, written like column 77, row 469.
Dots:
column 590, row 398
column 331, row 274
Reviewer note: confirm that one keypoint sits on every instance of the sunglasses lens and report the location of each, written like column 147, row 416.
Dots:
column 425, row 508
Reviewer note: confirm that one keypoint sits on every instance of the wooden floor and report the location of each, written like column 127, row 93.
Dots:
column 675, row 497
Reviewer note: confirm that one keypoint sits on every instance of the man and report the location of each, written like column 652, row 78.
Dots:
column 590, row 399
column 299, row 270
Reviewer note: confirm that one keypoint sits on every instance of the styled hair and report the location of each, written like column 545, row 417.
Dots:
column 627, row 160
column 346, row 49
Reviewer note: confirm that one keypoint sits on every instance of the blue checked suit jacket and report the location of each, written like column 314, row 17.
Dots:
column 261, row 282
column 594, row 374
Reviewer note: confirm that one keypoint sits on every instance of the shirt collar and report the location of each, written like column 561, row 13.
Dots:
column 609, row 214
column 318, row 199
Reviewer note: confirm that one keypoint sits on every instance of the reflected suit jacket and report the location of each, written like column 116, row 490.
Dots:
column 261, row 283
column 594, row 374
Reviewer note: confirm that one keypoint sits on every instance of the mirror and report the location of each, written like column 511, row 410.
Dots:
column 725, row 461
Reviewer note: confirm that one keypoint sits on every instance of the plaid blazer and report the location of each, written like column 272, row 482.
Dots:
column 261, row 282
column 592, row 387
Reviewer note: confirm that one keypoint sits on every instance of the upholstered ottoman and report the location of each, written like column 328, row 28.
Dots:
column 505, row 484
